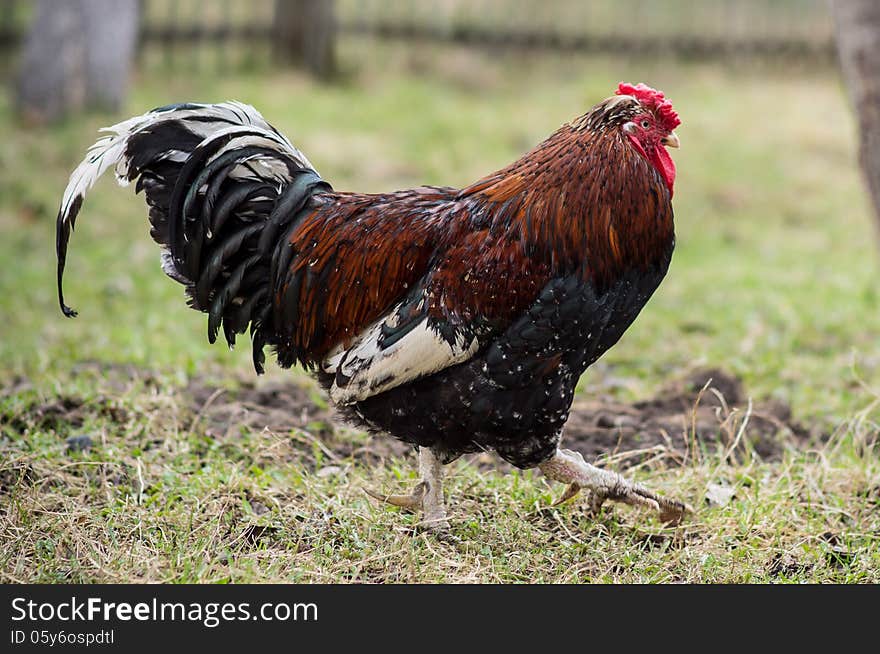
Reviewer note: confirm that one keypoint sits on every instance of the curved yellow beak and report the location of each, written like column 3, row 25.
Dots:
column 671, row 140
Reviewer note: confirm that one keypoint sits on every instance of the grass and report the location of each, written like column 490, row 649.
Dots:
column 774, row 278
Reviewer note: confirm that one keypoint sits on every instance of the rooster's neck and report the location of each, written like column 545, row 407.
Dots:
column 585, row 201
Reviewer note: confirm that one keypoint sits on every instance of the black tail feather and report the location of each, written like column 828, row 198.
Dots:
column 221, row 185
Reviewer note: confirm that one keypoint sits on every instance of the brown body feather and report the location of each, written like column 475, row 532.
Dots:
column 582, row 202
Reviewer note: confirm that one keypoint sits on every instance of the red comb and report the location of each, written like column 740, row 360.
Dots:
column 653, row 99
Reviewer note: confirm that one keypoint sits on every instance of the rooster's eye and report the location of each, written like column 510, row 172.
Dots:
column 645, row 124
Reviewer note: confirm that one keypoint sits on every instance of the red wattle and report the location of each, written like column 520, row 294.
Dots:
column 660, row 159
column 664, row 165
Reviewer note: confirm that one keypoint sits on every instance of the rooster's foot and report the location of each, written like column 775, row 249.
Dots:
column 427, row 496
column 569, row 467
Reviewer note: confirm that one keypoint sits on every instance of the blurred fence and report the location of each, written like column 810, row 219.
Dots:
column 691, row 28
column 233, row 31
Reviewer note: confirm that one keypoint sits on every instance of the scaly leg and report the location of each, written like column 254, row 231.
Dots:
column 570, row 468
column 426, row 496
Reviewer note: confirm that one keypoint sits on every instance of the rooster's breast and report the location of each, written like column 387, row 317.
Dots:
column 514, row 395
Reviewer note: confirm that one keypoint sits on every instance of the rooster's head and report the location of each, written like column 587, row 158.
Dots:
column 647, row 120
column 650, row 127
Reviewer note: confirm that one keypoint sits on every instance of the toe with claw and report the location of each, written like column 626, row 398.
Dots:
column 413, row 502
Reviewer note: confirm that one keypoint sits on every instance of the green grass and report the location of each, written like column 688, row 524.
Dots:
column 774, row 278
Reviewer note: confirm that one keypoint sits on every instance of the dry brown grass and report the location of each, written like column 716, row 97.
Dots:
column 161, row 497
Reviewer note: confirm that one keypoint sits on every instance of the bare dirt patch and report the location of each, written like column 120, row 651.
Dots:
column 284, row 408
column 706, row 410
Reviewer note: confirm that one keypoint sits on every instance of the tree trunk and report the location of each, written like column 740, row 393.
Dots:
column 858, row 44
column 77, row 55
column 51, row 79
column 305, row 34
column 111, row 33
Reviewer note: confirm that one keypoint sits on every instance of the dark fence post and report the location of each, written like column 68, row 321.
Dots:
column 305, row 34
column 8, row 34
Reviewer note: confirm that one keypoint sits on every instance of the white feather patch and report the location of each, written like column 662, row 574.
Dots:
column 372, row 370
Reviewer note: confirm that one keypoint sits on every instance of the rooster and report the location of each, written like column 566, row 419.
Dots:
column 456, row 320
